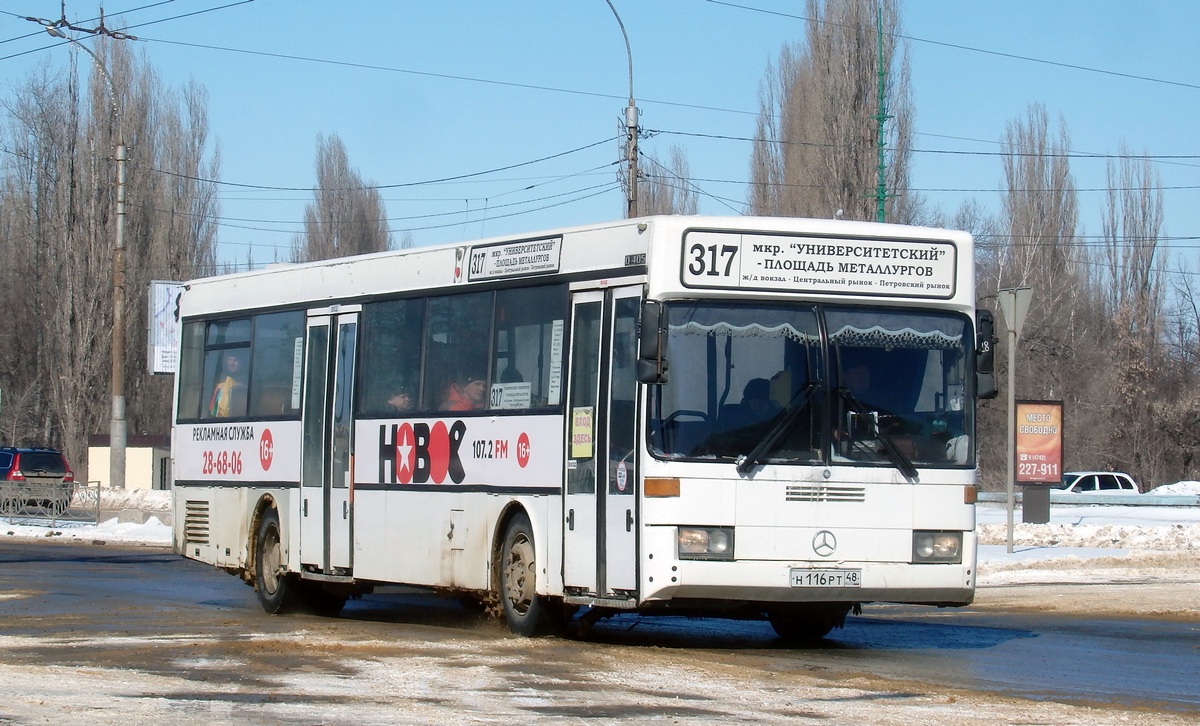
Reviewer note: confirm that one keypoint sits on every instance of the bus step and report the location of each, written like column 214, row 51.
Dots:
column 600, row 602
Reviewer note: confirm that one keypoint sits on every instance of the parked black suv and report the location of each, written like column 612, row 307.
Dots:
column 34, row 478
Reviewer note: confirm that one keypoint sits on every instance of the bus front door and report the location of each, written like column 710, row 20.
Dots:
column 600, row 503
column 326, row 495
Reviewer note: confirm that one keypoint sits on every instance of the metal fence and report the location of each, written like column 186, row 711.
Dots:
column 39, row 504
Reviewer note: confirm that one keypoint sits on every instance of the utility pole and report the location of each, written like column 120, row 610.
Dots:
column 117, row 433
column 881, row 118
column 631, row 126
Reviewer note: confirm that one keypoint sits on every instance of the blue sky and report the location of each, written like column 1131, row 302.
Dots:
column 422, row 91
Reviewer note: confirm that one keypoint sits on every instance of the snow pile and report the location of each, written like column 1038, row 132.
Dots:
column 150, row 532
column 1117, row 536
column 1179, row 487
column 150, row 500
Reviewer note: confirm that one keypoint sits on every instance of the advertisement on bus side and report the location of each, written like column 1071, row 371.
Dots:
column 509, row 451
column 244, row 451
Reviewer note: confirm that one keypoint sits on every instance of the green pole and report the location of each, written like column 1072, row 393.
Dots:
column 880, row 119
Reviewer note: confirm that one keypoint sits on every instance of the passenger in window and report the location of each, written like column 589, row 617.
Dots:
column 229, row 394
column 401, row 401
column 756, row 400
column 466, row 394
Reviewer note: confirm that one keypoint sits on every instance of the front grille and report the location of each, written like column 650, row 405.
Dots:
column 195, row 521
column 825, row 493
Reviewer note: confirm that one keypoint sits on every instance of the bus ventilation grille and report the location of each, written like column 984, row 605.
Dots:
column 195, row 522
column 822, row 493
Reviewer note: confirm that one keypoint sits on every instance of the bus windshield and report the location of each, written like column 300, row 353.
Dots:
column 788, row 383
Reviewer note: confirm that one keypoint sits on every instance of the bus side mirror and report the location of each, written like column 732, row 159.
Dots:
column 985, row 354
column 652, row 343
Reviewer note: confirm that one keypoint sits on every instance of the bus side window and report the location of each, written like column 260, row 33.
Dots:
column 191, row 370
column 457, row 334
column 226, row 365
column 523, row 359
column 391, row 357
column 273, row 363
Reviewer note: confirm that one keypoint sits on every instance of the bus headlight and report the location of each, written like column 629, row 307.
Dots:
column 705, row 543
column 943, row 547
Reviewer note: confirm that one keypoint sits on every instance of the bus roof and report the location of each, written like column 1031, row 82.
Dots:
column 618, row 249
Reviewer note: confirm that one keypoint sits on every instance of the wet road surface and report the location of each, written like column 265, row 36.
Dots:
column 182, row 633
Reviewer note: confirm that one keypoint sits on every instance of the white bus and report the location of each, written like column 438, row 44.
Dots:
column 748, row 417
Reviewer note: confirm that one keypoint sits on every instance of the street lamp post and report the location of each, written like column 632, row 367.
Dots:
column 117, row 437
column 631, row 125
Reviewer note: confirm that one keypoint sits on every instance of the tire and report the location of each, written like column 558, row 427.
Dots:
column 319, row 601
column 525, row 612
column 801, row 625
column 277, row 590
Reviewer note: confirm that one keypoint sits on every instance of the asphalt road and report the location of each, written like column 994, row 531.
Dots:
column 104, row 634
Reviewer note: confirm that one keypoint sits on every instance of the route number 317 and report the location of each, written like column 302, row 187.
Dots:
column 713, row 260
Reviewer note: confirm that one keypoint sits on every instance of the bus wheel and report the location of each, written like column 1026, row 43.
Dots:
column 801, row 625
column 319, row 601
column 276, row 589
column 523, row 609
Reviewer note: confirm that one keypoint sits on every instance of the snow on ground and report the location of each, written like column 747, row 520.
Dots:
column 109, row 529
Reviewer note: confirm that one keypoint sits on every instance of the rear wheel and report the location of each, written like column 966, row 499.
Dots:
column 525, row 612
column 801, row 624
column 277, row 590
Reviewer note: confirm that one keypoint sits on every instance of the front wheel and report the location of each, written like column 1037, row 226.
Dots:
column 277, row 590
column 801, row 625
column 525, row 612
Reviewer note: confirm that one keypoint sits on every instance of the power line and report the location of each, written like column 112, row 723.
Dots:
column 1044, row 154
column 603, row 189
column 224, row 219
column 971, row 49
column 125, row 12
column 445, row 76
column 398, row 185
column 1001, row 190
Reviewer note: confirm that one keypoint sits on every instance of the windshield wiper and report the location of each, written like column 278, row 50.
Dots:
column 791, row 412
column 902, row 462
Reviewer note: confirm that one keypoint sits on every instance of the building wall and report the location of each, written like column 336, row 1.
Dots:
column 146, row 467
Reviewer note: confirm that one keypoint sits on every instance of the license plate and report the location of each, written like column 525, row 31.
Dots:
column 826, row 578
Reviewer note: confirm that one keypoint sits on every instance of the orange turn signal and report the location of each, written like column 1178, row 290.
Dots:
column 661, row 487
column 970, row 495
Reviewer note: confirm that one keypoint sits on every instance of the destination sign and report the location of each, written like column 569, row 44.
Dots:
column 908, row 268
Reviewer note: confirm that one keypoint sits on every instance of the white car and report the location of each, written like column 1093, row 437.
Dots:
column 1098, row 482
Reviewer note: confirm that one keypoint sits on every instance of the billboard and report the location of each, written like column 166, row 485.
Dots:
column 1039, row 445
column 162, row 338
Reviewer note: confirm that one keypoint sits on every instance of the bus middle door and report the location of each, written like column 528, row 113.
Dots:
column 600, row 503
column 326, row 496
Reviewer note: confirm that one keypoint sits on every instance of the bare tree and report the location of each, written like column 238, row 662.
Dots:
column 58, row 208
column 669, row 190
column 1177, row 402
column 1034, row 244
column 347, row 216
column 817, row 144
column 1134, row 297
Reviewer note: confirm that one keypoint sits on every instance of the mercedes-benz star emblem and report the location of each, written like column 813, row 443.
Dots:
column 824, row 543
